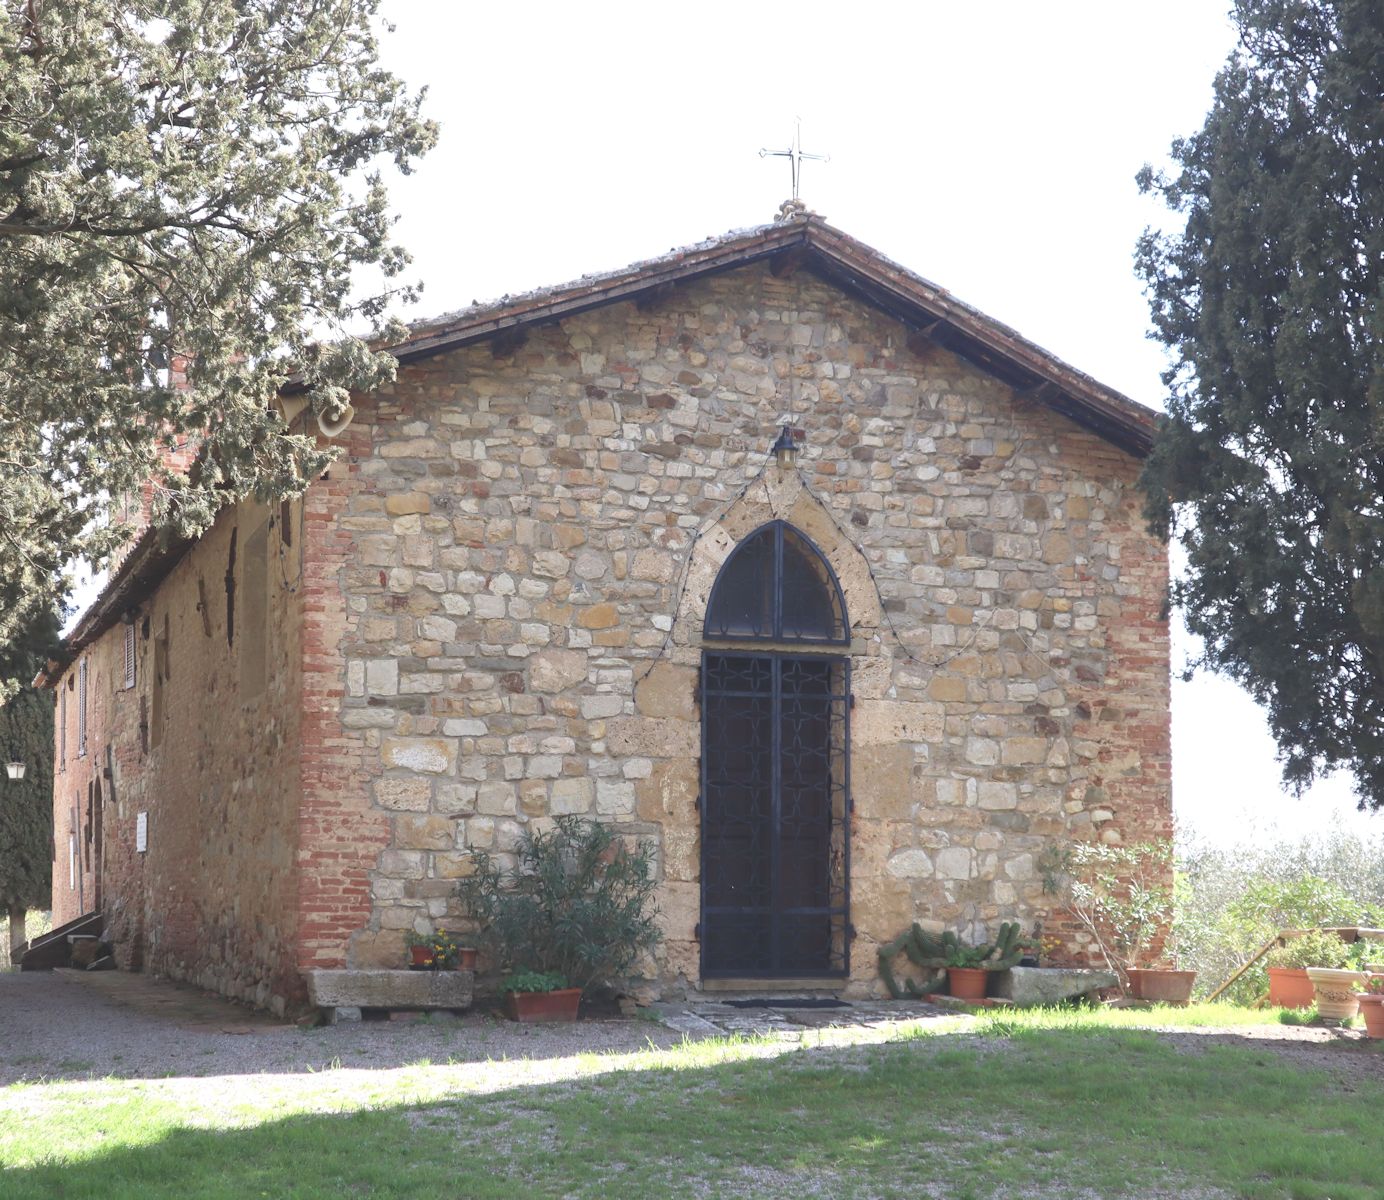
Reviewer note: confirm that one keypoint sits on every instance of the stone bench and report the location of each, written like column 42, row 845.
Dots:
column 341, row 995
column 1049, row 985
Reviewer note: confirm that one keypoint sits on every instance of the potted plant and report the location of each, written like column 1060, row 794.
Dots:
column 445, row 955
column 420, row 947
column 1371, row 1001
column 436, row 951
column 967, row 967
column 540, row 996
column 1289, row 986
column 966, row 974
column 577, row 904
column 1334, row 982
column 1123, row 897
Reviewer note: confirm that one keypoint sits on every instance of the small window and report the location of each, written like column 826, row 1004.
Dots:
column 254, row 623
column 230, row 590
column 82, row 708
column 62, row 731
column 129, row 656
column 162, row 673
column 777, row 586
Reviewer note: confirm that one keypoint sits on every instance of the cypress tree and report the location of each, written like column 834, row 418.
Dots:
column 26, row 805
column 1269, row 470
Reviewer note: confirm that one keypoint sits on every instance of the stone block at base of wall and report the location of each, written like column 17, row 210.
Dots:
column 1049, row 985
column 390, row 989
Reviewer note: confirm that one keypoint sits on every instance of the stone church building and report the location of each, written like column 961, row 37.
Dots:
column 558, row 568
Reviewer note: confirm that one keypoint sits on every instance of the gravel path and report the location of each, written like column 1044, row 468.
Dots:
column 69, row 1025
column 64, row 1025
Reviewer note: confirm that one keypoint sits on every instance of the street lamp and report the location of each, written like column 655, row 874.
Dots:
column 15, row 770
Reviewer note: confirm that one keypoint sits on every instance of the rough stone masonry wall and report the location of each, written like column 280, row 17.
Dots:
column 210, row 752
column 520, row 527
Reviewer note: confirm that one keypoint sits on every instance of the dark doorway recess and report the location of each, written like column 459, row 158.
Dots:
column 775, row 797
column 775, row 816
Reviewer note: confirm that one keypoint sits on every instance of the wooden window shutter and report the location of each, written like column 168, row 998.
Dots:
column 129, row 656
column 81, row 706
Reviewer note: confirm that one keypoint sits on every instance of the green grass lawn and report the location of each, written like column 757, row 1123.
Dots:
column 1021, row 1104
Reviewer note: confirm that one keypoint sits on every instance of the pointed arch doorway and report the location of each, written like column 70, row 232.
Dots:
column 775, row 805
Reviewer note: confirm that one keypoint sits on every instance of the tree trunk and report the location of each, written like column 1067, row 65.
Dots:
column 17, row 914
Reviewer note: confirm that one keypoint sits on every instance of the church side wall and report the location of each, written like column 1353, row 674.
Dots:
column 521, row 622
column 206, row 744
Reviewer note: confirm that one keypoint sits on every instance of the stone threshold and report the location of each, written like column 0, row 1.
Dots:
column 771, row 987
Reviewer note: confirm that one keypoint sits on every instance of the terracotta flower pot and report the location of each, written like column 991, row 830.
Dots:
column 1161, row 987
column 1289, row 987
column 967, row 983
column 1335, row 991
column 466, row 958
column 1372, row 1009
column 422, row 955
column 560, row 1005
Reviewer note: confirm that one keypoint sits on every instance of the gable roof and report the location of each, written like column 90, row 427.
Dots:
column 931, row 313
column 805, row 241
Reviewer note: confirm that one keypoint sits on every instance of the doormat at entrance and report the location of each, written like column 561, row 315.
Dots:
column 788, row 1002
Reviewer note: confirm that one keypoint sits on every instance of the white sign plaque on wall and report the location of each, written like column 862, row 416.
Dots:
column 141, row 832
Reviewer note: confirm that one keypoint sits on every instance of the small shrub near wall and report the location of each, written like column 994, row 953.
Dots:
column 578, row 904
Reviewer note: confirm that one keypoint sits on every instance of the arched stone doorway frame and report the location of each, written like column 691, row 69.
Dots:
column 791, row 664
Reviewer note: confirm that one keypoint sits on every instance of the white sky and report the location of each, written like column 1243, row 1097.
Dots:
column 991, row 147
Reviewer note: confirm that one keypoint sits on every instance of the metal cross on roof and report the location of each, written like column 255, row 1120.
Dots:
column 795, row 154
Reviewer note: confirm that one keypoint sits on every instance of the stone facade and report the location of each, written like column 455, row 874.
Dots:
column 496, row 614
column 522, row 526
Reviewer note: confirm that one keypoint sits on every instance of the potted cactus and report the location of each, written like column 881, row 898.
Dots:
column 966, row 967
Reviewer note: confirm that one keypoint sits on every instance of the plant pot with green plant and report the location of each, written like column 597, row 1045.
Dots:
column 540, row 996
column 437, row 951
column 1286, row 966
column 967, row 967
column 1122, row 896
column 578, row 904
column 966, row 976
column 1371, row 1000
column 420, row 950
column 1335, row 981
column 1161, row 984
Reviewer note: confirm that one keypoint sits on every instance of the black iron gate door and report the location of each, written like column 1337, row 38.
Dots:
column 775, row 815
